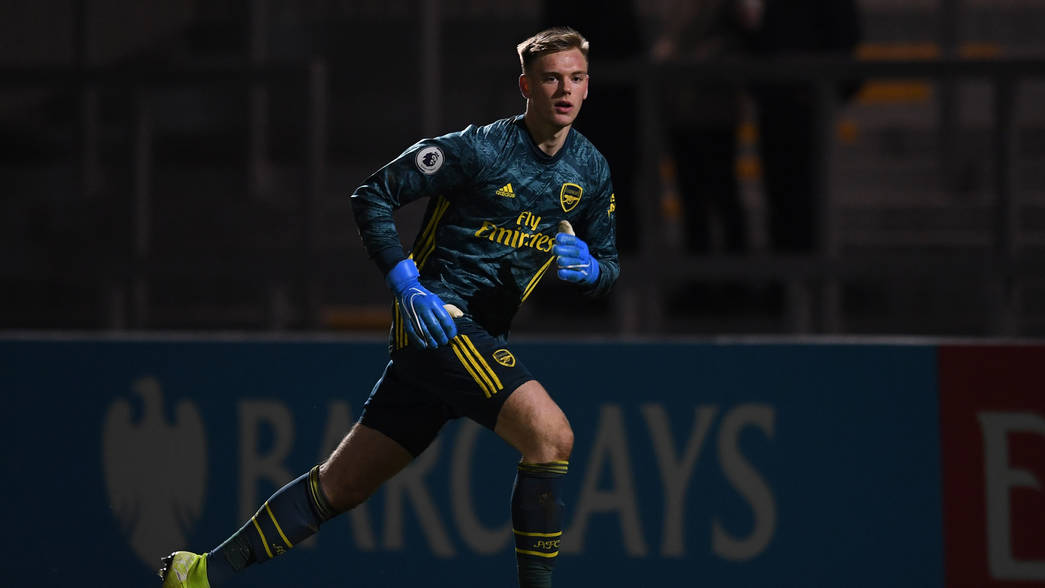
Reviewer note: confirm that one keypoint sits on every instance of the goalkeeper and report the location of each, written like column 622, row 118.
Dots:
column 503, row 202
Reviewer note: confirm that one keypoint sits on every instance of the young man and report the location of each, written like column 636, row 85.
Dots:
column 498, row 196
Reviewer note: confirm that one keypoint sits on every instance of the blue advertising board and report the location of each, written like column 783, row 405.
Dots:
column 694, row 463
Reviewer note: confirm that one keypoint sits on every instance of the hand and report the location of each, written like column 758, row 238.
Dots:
column 426, row 320
column 576, row 264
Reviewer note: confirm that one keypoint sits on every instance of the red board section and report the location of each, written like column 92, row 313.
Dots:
column 992, row 435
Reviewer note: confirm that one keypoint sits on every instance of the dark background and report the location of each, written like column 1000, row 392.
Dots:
column 186, row 165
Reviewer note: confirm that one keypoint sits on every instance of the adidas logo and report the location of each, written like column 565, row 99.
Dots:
column 506, row 191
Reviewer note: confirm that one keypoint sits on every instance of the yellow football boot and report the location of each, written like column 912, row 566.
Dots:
column 183, row 569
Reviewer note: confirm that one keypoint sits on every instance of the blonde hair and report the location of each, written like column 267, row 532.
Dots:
column 551, row 40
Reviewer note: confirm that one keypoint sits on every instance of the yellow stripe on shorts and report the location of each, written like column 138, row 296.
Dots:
column 397, row 327
column 482, row 360
column 469, row 365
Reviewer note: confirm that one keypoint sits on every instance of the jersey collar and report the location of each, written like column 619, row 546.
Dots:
column 541, row 155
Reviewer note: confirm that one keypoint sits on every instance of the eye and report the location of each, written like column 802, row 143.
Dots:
column 549, row 80
column 579, row 78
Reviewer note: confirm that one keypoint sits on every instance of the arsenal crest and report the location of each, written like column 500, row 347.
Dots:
column 569, row 196
column 504, row 357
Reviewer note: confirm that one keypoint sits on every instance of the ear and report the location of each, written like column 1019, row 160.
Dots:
column 524, row 86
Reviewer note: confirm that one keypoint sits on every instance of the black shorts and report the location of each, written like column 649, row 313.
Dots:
column 421, row 389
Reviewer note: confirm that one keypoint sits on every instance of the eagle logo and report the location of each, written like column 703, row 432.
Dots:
column 569, row 196
column 155, row 471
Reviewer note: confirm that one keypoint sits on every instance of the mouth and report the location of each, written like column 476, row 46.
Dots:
column 563, row 107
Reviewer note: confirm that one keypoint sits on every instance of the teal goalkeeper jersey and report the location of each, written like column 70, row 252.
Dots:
column 495, row 201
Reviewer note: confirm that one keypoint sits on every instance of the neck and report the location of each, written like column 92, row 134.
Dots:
column 549, row 138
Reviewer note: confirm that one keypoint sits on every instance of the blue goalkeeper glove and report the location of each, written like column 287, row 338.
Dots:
column 426, row 321
column 576, row 265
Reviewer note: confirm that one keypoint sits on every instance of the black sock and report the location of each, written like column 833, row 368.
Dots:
column 537, row 509
column 293, row 514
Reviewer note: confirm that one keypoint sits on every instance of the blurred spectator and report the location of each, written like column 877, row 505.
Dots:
column 701, row 119
column 786, row 112
column 610, row 118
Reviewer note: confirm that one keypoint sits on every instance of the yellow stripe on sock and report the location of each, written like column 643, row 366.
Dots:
column 536, row 279
column 479, row 356
column 313, row 481
column 278, row 528
column 318, row 498
column 544, row 464
column 528, row 534
column 537, row 553
column 456, row 346
column 557, row 467
column 315, row 489
column 264, row 541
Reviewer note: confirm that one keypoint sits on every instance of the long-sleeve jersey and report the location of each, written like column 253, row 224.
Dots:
column 495, row 201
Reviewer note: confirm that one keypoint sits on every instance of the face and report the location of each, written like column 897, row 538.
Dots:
column 556, row 84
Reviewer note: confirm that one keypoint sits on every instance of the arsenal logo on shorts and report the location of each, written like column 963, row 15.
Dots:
column 504, row 357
